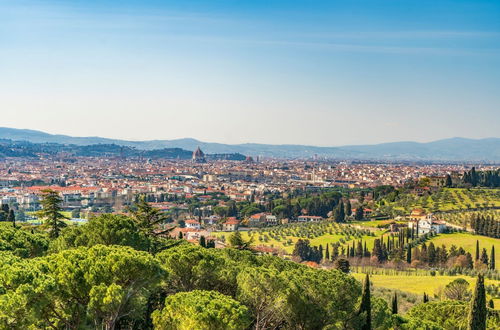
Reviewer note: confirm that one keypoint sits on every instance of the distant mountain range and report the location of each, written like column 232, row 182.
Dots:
column 453, row 149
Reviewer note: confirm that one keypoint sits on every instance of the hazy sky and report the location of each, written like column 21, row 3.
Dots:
column 305, row 72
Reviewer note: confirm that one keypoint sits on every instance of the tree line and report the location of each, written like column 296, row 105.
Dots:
column 485, row 225
column 475, row 178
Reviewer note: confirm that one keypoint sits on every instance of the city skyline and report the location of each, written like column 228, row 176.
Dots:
column 267, row 72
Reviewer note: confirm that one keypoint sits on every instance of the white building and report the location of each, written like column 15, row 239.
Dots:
column 309, row 218
column 193, row 224
column 427, row 224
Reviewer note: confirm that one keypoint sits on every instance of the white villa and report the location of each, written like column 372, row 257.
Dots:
column 426, row 223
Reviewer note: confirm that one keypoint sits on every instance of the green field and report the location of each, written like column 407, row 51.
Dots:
column 420, row 284
column 417, row 284
column 468, row 242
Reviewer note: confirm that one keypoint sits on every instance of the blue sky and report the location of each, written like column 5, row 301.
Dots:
column 305, row 72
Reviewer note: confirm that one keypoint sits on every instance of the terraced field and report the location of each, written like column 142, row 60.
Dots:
column 284, row 237
column 450, row 199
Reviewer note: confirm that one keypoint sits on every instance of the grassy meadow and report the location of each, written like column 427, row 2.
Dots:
column 468, row 242
column 418, row 284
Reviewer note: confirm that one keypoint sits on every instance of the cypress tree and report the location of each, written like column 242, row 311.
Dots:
column 484, row 257
column 203, row 242
column 365, row 306
column 359, row 215
column 341, row 214
column 348, row 208
column 449, row 182
column 431, row 254
column 327, row 252
column 426, row 298
column 478, row 312
column 12, row 217
column 408, row 255
column 395, row 303
column 359, row 249
column 491, row 304
column 492, row 258
column 477, row 250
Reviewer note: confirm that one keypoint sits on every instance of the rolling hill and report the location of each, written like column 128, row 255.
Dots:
column 453, row 149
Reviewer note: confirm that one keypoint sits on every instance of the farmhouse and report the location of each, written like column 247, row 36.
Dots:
column 309, row 218
column 262, row 219
column 426, row 223
column 231, row 225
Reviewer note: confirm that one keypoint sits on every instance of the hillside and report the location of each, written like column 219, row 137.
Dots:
column 454, row 149
column 9, row 148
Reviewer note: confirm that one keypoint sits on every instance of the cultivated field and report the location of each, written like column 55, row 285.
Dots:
column 450, row 199
column 284, row 237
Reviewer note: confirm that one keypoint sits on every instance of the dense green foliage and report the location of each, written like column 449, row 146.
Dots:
column 449, row 314
column 113, row 285
column 21, row 242
column 107, row 229
column 86, row 287
column 201, row 310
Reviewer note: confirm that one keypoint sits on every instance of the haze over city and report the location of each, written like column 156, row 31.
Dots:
column 316, row 73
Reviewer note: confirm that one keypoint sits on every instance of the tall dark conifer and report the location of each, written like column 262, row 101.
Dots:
column 359, row 249
column 477, row 250
column 365, row 306
column 484, row 257
column 348, row 208
column 449, row 182
column 203, row 241
column 395, row 303
column 408, row 254
column 478, row 312
column 492, row 258
column 12, row 217
column 341, row 212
